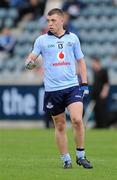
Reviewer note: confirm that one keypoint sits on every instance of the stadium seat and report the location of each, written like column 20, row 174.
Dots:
column 23, row 50
column 9, row 22
column 3, row 13
column 13, row 13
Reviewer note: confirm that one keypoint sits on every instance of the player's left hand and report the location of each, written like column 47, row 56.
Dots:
column 85, row 89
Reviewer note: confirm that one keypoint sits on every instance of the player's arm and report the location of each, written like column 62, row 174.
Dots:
column 30, row 62
column 79, row 56
column 81, row 66
column 82, row 70
column 83, row 74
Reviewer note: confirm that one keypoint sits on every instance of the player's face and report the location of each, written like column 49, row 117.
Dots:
column 55, row 23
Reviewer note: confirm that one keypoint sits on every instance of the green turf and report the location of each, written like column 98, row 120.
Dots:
column 33, row 155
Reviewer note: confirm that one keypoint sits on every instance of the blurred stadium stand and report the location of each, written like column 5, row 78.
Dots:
column 96, row 26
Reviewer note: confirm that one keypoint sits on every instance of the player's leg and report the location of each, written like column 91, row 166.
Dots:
column 60, row 132
column 61, row 138
column 54, row 104
column 76, row 111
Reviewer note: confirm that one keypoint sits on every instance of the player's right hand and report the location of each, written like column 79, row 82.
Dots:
column 30, row 64
column 85, row 89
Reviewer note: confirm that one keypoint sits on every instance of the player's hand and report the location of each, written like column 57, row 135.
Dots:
column 85, row 89
column 30, row 64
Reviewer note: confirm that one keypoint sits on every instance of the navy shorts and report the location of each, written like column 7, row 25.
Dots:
column 55, row 102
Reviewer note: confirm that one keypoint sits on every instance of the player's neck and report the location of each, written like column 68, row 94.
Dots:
column 60, row 32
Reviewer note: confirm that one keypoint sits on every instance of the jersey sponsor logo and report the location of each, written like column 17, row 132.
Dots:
column 61, row 58
column 50, row 105
column 61, row 55
column 63, row 63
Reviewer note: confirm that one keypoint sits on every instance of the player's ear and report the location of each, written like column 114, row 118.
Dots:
column 62, row 20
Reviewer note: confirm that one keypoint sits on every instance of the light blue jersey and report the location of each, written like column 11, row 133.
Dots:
column 59, row 55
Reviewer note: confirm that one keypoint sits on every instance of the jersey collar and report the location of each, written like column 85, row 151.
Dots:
column 51, row 34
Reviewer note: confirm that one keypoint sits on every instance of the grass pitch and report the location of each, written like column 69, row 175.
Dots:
column 33, row 155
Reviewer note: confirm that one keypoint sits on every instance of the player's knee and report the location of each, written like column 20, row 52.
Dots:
column 76, row 121
column 60, row 126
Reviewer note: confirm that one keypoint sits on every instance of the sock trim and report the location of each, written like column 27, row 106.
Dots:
column 80, row 149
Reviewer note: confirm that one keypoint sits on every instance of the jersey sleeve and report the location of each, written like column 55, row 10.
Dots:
column 37, row 47
column 77, row 49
